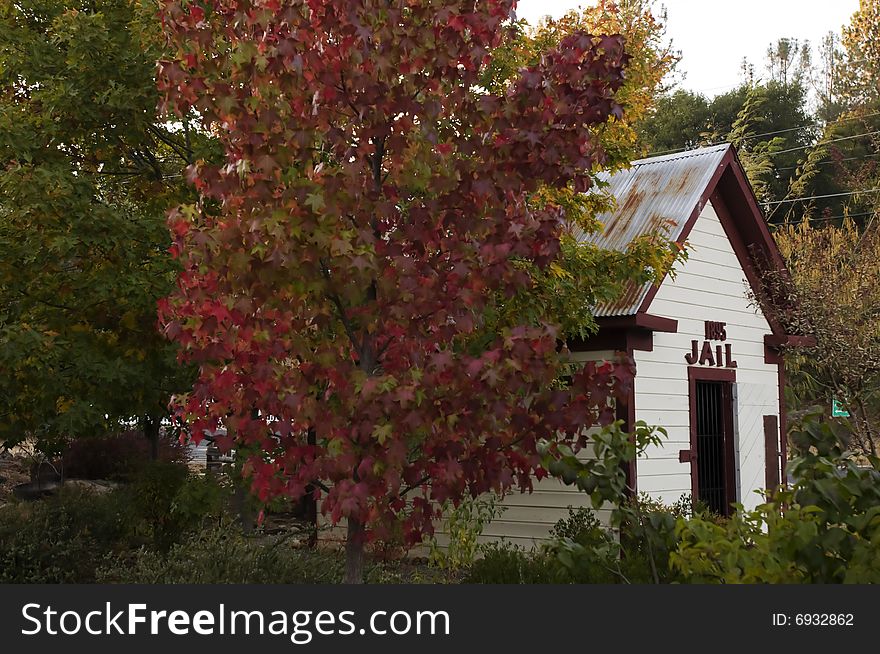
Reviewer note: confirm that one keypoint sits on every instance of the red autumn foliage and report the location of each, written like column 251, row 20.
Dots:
column 371, row 212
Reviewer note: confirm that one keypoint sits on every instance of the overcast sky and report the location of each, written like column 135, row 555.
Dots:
column 714, row 36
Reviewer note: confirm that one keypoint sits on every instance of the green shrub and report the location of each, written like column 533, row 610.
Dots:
column 503, row 563
column 647, row 533
column 165, row 502
column 825, row 529
column 225, row 556
column 58, row 540
column 581, row 524
column 583, row 551
column 464, row 525
column 61, row 538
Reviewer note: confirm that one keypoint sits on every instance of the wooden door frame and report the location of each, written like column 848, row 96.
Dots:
column 728, row 376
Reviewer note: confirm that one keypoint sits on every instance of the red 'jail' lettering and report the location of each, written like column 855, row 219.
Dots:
column 705, row 356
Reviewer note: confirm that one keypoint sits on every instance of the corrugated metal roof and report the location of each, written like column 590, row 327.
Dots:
column 656, row 193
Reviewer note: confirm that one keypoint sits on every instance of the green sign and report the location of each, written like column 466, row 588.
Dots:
column 838, row 411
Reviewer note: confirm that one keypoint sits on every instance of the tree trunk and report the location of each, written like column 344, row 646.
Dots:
column 310, row 504
column 242, row 504
column 151, row 431
column 310, row 515
column 354, row 553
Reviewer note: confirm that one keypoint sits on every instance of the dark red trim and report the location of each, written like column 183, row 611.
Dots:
column 604, row 340
column 619, row 339
column 788, row 340
column 695, row 374
column 626, row 411
column 711, row 374
column 639, row 320
column 773, row 355
column 764, row 237
column 639, row 340
column 771, row 452
column 783, row 421
column 625, row 333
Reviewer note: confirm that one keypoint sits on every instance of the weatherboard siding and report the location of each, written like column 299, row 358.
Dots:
column 527, row 518
column 710, row 285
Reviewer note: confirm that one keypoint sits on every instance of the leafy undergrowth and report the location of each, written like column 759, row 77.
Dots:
column 166, row 526
column 225, row 556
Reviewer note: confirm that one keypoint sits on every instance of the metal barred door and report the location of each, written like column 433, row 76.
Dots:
column 710, row 459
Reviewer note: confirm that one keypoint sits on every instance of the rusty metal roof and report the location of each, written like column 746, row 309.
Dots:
column 659, row 193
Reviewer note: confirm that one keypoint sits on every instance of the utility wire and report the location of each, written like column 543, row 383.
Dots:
column 823, row 218
column 819, row 197
column 814, row 124
column 781, row 131
column 807, row 147
column 831, row 163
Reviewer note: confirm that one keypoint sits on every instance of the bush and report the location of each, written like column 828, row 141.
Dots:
column 825, row 529
column 58, row 540
column 464, row 525
column 61, row 538
column 580, row 525
column 224, row 556
column 502, row 563
column 165, row 502
column 648, row 536
column 581, row 551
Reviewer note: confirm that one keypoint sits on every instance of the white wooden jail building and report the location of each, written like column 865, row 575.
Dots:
column 708, row 367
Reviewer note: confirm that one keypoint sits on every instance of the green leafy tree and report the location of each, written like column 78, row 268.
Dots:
column 768, row 122
column 842, row 169
column 88, row 169
column 680, row 120
column 724, row 109
column 839, row 173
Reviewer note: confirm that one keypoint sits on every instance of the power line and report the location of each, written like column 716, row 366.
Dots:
column 807, row 147
column 814, row 124
column 819, row 197
column 824, row 218
column 835, row 161
column 781, row 131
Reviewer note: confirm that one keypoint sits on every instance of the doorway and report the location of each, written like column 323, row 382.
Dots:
column 713, row 462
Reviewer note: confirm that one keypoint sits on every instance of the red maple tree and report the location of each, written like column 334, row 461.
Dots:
column 374, row 206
